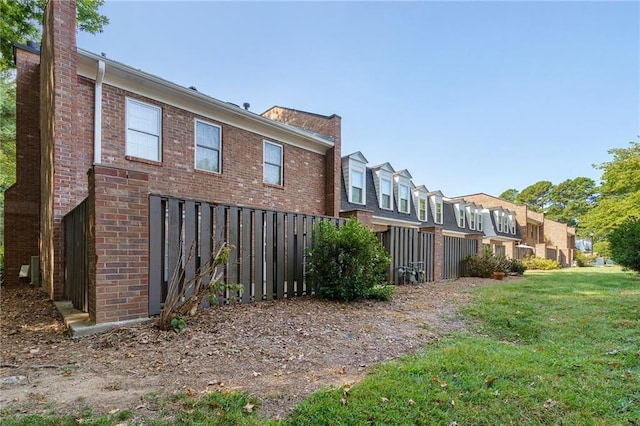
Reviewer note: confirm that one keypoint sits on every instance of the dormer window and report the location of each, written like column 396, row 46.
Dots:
column 422, row 209
column 435, row 198
column 479, row 221
column 472, row 220
column 461, row 213
column 403, row 196
column 512, row 224
column 385, row 193
column 403, row 185
column 354, row 169
column 357, row 185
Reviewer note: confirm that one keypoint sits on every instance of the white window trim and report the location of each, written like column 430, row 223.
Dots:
column 195, row 145
column 461, row 216
column 390, row 194
column 408, row 198
column 473, row 218
column 437, row 202
column 479, row 221
column 426, row 209
column 362, row 170
column 128, row 101
column 264, row 162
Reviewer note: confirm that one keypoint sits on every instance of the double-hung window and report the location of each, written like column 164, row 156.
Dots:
column 472, row 220
column 438, row 213
column 461, row 217
column 357, row 185
column 422, row 209
column 272, row 163
column 144, row 124
column 385, row 193
column 479, row 221
column 403, row 196
column 208, row 146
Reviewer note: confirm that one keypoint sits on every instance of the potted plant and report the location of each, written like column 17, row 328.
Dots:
column 501, row 267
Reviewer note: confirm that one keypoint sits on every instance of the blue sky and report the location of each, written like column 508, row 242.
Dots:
column 467, row 96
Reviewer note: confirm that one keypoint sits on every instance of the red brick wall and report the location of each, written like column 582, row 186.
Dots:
column 438, row 250
column 120, row 248
column 22, row 200
column 325, row 125
column 63, row 163
column 241, row 180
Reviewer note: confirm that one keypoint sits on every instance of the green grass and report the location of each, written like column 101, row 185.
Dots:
column 556, row 347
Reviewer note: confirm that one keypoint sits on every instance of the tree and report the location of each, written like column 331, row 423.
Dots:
column 624, row 243
column 510, row 194
column 22, row 19
column 536, row 196
column 7, row 131
column 619, row 192
column 571, row 199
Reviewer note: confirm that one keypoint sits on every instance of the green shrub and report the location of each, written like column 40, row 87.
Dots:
column 485, row 264
column 516, row 267
column 534, row 262
column 346, row 263
column 624, row 244
column 381, row 292
column 582, row 259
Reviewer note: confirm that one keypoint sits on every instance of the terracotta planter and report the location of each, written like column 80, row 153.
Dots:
column 497, row 275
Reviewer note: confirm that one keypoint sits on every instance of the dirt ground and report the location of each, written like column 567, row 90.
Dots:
column 280, row 352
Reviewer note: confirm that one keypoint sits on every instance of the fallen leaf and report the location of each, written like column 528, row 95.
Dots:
column 435, row 379
column 248, row 408
column 384, row 399
column 343, row 370
column 443, row 385
column 190, row 392
column 256, row 374
column 550, row 403
column 412, row 402
column 343, row 401
column 115, row 410
column 490, row 381
column 453, row 403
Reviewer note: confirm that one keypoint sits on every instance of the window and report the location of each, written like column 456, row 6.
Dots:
column 143, row 130
column 403, row 195
column 472, row 220
column 461, row 217
column 272, row 163
column 438, row 214
column 357, row 186
column 385, row 193
column 479, row 221
column 505, row 226
column 207, row 146
column 512, row 224
column 422, row 209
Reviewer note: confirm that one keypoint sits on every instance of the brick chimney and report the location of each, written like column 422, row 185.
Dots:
column 58, row 109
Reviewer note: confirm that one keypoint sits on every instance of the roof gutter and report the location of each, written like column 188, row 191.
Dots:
column 142, row 77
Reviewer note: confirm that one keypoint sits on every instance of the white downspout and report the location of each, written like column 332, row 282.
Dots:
column 97, row 124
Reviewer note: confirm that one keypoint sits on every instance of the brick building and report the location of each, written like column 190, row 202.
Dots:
column 97, row 131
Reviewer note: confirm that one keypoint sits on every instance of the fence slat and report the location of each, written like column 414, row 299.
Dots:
column 280, row 263
column 269, row 255
column 291, row 254
column 300, row 258
column 156, row 269
column 258, row 256
column 245, row 256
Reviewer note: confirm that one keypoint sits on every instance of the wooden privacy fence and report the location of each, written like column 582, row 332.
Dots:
column 455, row 251
column 268, row 258
column 76, row 274
column 409, row 248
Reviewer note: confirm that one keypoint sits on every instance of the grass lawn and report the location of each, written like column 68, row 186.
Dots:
column 557, row 347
